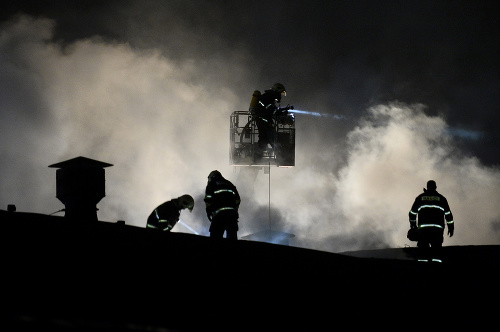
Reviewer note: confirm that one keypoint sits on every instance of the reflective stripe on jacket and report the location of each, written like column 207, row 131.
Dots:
column 432, row 210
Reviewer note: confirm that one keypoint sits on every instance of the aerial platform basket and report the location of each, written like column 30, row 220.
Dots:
column 244, row 138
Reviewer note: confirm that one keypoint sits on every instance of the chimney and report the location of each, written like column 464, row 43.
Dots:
column 80, row 186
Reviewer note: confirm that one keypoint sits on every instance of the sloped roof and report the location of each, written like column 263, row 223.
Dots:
column 80, row 162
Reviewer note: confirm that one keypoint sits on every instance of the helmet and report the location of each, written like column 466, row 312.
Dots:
column 214, row 175
column 186, row 202
column 280, row 88
column 431, row 185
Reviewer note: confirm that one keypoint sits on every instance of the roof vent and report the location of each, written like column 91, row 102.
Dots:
column 80, row 185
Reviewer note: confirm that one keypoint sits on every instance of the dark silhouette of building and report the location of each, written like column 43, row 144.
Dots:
column 80, row 185
column 103, row 276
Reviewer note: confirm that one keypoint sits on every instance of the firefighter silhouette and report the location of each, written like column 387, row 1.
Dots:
column 166, row 215
column 265, row 110
column 222, row 202
column 432, row 210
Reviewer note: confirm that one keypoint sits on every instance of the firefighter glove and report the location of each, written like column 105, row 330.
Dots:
column 451, row 229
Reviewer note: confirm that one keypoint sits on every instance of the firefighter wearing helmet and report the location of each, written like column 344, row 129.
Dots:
column 222, row 202
column 432, row 210
column 265, row 110
column 166, row 215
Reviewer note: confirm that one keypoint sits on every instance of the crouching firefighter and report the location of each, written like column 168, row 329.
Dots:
column 432, row 210
column 222, row 202
column 166, row 215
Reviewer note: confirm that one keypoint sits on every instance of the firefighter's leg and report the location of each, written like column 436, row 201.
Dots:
column 232, row 229
column 263, row 140
column 436, row 245
column 217, row 234
column 216, row 231
column 423, row 245
column 231, row 234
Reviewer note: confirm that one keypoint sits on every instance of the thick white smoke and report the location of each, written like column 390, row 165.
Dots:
column 164, row 126
column 392, row 153
column 135, row 109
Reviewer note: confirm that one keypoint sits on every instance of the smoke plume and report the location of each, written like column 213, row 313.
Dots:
column 164, row 125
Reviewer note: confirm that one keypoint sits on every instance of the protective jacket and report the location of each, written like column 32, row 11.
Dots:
column 221, row 195
column 165, row 216
column 267, row 108
column 432, row 210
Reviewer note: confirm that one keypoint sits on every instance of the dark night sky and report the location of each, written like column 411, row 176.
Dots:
column 332, row 55
column 436, row 60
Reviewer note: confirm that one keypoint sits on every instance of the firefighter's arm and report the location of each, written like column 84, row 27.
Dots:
column 172, row 223
column 208, row 203
column 209, row 212
column 448, row 216
column 284, row 110
column 451, row 227
column 412, row 216
column 450, row 223
column 238, row 198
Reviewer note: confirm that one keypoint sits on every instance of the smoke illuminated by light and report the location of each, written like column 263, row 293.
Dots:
column 466, row 134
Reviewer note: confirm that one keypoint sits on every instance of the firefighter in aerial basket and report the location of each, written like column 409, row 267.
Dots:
column 222, row 202
column 432, row 210
column 166, row 215
column 265, row 109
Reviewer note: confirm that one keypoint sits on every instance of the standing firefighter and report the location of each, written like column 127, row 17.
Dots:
column 166, row 215
column 432, row 210
column 222, row 202
column 265, row 110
